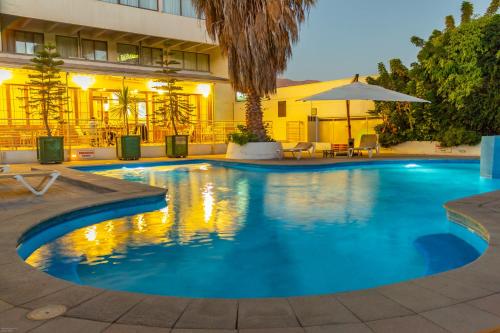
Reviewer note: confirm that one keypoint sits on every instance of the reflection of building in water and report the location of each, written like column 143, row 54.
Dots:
column 197, row 210
column 336, row 195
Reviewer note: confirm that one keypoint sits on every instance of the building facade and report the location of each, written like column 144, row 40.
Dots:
column 320, row 121
column 106, row 45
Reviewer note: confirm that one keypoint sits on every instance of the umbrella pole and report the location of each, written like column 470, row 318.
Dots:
column 348, row 105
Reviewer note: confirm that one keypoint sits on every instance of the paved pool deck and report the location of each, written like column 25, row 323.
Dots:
column 466, row 299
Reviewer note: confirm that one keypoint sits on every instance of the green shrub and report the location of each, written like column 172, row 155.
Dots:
column 244, row 136
column 459, row 136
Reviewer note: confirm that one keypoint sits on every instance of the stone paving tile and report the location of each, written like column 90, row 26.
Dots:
column 341, row 328
column 490, row 304
column 209, row 313
column 321, row 310
column 414, row 297
column 156, row 311
column 120, row 328
column 452, row 288
column 407, row 324
column 371, row 305
column 4, row 306
column 485, row 279
column 462, row 318
column 108, row 306
column 194, row 330
column 73, row 325
column 266, row 313
column 16, row 320
column 273, row 330
column 70, row 297
column 21, row 283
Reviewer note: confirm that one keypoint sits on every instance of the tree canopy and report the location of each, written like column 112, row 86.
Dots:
column 458, row 70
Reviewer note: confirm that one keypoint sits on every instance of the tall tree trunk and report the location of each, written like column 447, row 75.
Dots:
column 254, row 116
column 45, row 117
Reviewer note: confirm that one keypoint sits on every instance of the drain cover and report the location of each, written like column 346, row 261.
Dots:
column 47, row 312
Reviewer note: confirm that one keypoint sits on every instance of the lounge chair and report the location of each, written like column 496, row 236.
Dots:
column 368, row 142
column 299, row 148
column 48, row 178
column 4, row 168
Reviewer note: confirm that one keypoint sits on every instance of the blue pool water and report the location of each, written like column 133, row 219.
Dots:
column 241, row 231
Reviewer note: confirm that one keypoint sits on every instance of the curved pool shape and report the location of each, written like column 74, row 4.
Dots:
column 230, row 230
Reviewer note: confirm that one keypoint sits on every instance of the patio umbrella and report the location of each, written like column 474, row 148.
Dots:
column 361, row 92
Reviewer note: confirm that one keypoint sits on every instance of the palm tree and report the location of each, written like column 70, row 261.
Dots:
column 126, row 105
column 467, row 11
column 493, row 7
column 257, row 37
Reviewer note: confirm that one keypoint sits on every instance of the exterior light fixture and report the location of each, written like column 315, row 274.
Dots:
column 84, row 81
column 5, row 75
column 203, row 89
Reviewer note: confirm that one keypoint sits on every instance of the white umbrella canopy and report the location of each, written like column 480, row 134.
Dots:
column 363, row 92
column 358, row 91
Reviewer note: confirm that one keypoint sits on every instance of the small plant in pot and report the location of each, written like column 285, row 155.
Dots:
column 128, row 147
column 173, row 109
column 47, row 94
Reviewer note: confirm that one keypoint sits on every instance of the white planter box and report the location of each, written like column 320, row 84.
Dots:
column 254, row 151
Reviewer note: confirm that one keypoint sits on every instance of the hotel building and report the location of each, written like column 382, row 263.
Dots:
column 107, row 44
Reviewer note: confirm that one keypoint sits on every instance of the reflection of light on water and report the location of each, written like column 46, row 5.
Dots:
column 208, row 201
column 204, row 167
column 91, row 233
column 412, row 165
column 164, row 217
column 141, row 223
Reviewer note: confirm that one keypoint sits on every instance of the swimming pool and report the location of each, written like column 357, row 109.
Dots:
column 235, row 230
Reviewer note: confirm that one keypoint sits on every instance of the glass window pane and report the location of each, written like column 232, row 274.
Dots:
column 149, row 4
column 172, row 7
column 67, row 46
column 175, row 59
column 101, row 51
column 146, row 56
column 20, row 42
column 38, row 42
column 157, row 57
column 203, row 62
column 134, row 3
column 128, row 53
column 190, row 61
column 88, row 49
column 187, row 8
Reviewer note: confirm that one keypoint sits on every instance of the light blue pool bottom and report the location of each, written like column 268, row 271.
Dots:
column 234, row 230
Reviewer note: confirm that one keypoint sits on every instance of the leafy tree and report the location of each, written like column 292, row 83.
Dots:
column 257, row 37
column 458, row 70
column 493, row 8
column 174, row 107
column 467, row 11
column 47, row 92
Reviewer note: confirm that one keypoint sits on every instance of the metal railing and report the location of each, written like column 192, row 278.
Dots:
column 86, row 133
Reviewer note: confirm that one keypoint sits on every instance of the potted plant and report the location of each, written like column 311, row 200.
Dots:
column 47, row 94
column 128, row 147
column 173, row 109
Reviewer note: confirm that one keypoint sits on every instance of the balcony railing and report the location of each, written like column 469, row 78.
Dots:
column 101, row 134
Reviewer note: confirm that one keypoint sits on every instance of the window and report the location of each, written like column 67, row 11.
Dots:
column 151, row 56
column 190, row 61
column 175, row 59
column 281, row 109
column 67, row 47
column 203, row 62
column 172, row 7
column 128, row 53
column 94, row 50
column 145, row 4
column 179, row 7
column 26, row 42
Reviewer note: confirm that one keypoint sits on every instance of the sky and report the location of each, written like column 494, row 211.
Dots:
column 345, row 37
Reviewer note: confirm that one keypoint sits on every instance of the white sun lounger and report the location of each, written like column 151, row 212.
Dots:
column 4, row 168
column 368, row 142
column 299, row 148
column 48, row 178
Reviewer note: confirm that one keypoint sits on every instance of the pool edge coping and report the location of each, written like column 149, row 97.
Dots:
column 473, row 210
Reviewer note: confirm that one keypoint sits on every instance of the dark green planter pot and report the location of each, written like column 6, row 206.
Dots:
column 177, row 145
column 128, row 147
column 50, row 149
